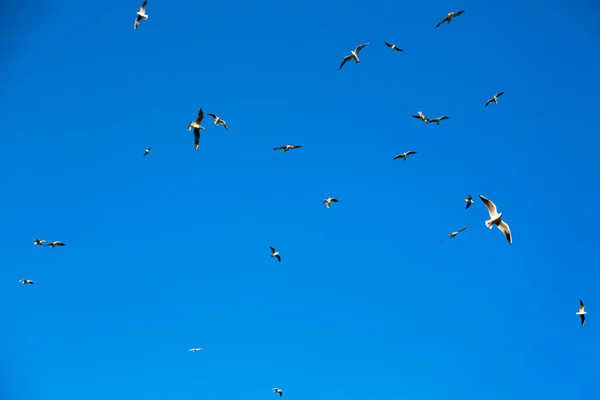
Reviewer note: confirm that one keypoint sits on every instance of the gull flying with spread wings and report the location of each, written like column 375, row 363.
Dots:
column 469, row 201
column 196, row 125
column 353, row 55
column 38, row 242
column 330, row 200
column 393, row 46
column 581, row 312
column 496, row 219
column 26, row 281
column 56, row 243
column 148, row 150
column 219, row 121
column 140, row 15
column 420, row 116
column 287, row 147
column 277, row 390
column 450, row 16
column 437, row 120
column 494, row 99
column 453, row 234
column 404, row 155
column 196, row 349
column 275, row 253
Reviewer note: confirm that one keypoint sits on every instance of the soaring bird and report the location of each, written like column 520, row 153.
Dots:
column 449, row 17
column 26, row 281
column 469, row 201
column 353, row 54
column 148, row 150
column 420, row 116
column 57, row 243
column 393, row 46
column 404, row 155
column 330, row 200
column 277, row 390
column 581, row 312
column 196, row 349
column 287, row 147
column 219, row 121
column 496, row 219
column 196, row 125
column 38, row 242
column 494, row 99
column 141, row 15
column 275, row 253
column 453, row 234
column 437, row 120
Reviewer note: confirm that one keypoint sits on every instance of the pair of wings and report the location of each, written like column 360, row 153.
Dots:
column 393, row 47
column 438, row 119
column 402, row 155
column 449, row 17
column 494, row 98
column 350, row 56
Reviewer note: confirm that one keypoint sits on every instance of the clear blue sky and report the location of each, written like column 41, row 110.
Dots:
column 171, row 251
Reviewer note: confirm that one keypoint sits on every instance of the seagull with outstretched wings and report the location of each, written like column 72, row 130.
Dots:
column 453, row 234
column 197, row 126
column 449, row 17
column 140, row 15
column 353, row 55
column 494, row 99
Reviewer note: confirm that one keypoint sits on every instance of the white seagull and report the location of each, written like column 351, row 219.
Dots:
column 277, row 390
column 57, row 243
column 275, row 253
column 219, row 121
column 330, row 200
column 148, row 150
column 581, row 312
column 140, row 15
column 449, row 17
column 496, row 219
column 437, row 120
column 196, row 125
column 287, row 147
column 420, row 116
column 196, row 349
column 494, row 99
column 353, row 54
column 453, row 234
column 392, row 46
column 38, row 242
column 26, row 281
column 404, row 155
column 469, row 201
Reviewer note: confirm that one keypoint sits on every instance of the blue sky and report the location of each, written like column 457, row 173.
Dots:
column 171, row 251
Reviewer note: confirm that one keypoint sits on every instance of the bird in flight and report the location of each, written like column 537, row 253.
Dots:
column 496, row 219
column 219, row 121
column 449, row 17
column 453, row 234
column 353, row 54
column 494, row 99
column 148, row 150
column 196, row 125
column 277, row 390
column 26, row 281
column 330, row 200
column 141, row 15
column 469, row 201
column 420, row 116
column 196, row 349
column 393, row 46
column 404, row 155
column 38, row 242
column 287, row 147
column 437, row 120
column 581, row 312
column 57, row 243
column 275, row 253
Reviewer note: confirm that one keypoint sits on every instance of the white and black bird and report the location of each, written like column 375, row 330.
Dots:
column 275, row 253
column 469, row 201
column 393, row 46
column 287, row 147
column 140, row 15
column 197, row 126
column 218, row 121
column 449, row 17
column 26, row 281
column 404, row 155
column 277, row 390
column 453, row 234
column 494, row 99
column 420, row 116
column 437, row 120
column 353, row 55
column 330, row 200
column 496, row 219
column 148, row 150
column 581, row 312
column 56, row 243
column 38, row 242
column 196, row 349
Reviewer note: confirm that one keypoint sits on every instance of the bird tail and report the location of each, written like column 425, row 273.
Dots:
column 489, row 223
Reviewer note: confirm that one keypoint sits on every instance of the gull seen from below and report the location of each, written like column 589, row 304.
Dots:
column 219, row 121
column 420, row 116
column 38, row 242
column 449, row 17
column 287, row 147
column 496, row 219
column 437, row 120
column 140, row 15
column 581, row 312
column 494, row 99
column 393, row 46
column 277, row 390
column 330, row 200
column 353, row 55
column 196, row 349
column 26, row 281
column 453, row 234
column 148, row 150
column 469, row 201
column 275, row 253
column 196, row 125
column 56, row 243
column 404, row 155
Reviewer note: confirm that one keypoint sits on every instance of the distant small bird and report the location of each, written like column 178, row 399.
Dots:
column 275, row 253
column 277, row 390
column 219, row 121
column 581, row 312
column 449, row 17
column 26, row 281
column 196, row 125
column 393, row 46
column 404, row 155
column 57, row 243
column 38, row 242
column 141, row 15
column 196, row 349
column 494, row 99
column 453, row 234
column 420, row 116
column 287, row 147
column 437, row 120
column 353, row 55
column 469, row 201
column 330, row 200
column 496, row 219
column 148, row 150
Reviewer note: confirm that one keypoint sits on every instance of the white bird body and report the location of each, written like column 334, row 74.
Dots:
column 275, row 253
column 581, row 312
column 26, row 281
column 196, row 349
column 277, row 390
column 496, row 219
column 328, row 201
column 141, row 15
column 353, row 55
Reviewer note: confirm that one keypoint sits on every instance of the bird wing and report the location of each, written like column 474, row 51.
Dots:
column 468, row 205
column 334, row 200
column 443, row 118
column 581, row 306
column 463, row 229
column 224, row 124
column 582, row 319
column 456, row 14
column 196, row 138
column 398, row 48
column 499, row 94
column 60, row 244
column 344, row 61
column 278, row 257
column 387, row 44
column 490, row 206
column 213, row 115
column 442, row 21
column 279, row 148
column 200, row 116
column 397, row 156
column 296, row 147
column 488, row 102
column 272, row 249
column 408, row 153
column 446, row 238
column 503, row 226
column 137, row 22
column 360, row 47
column 143, row 7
